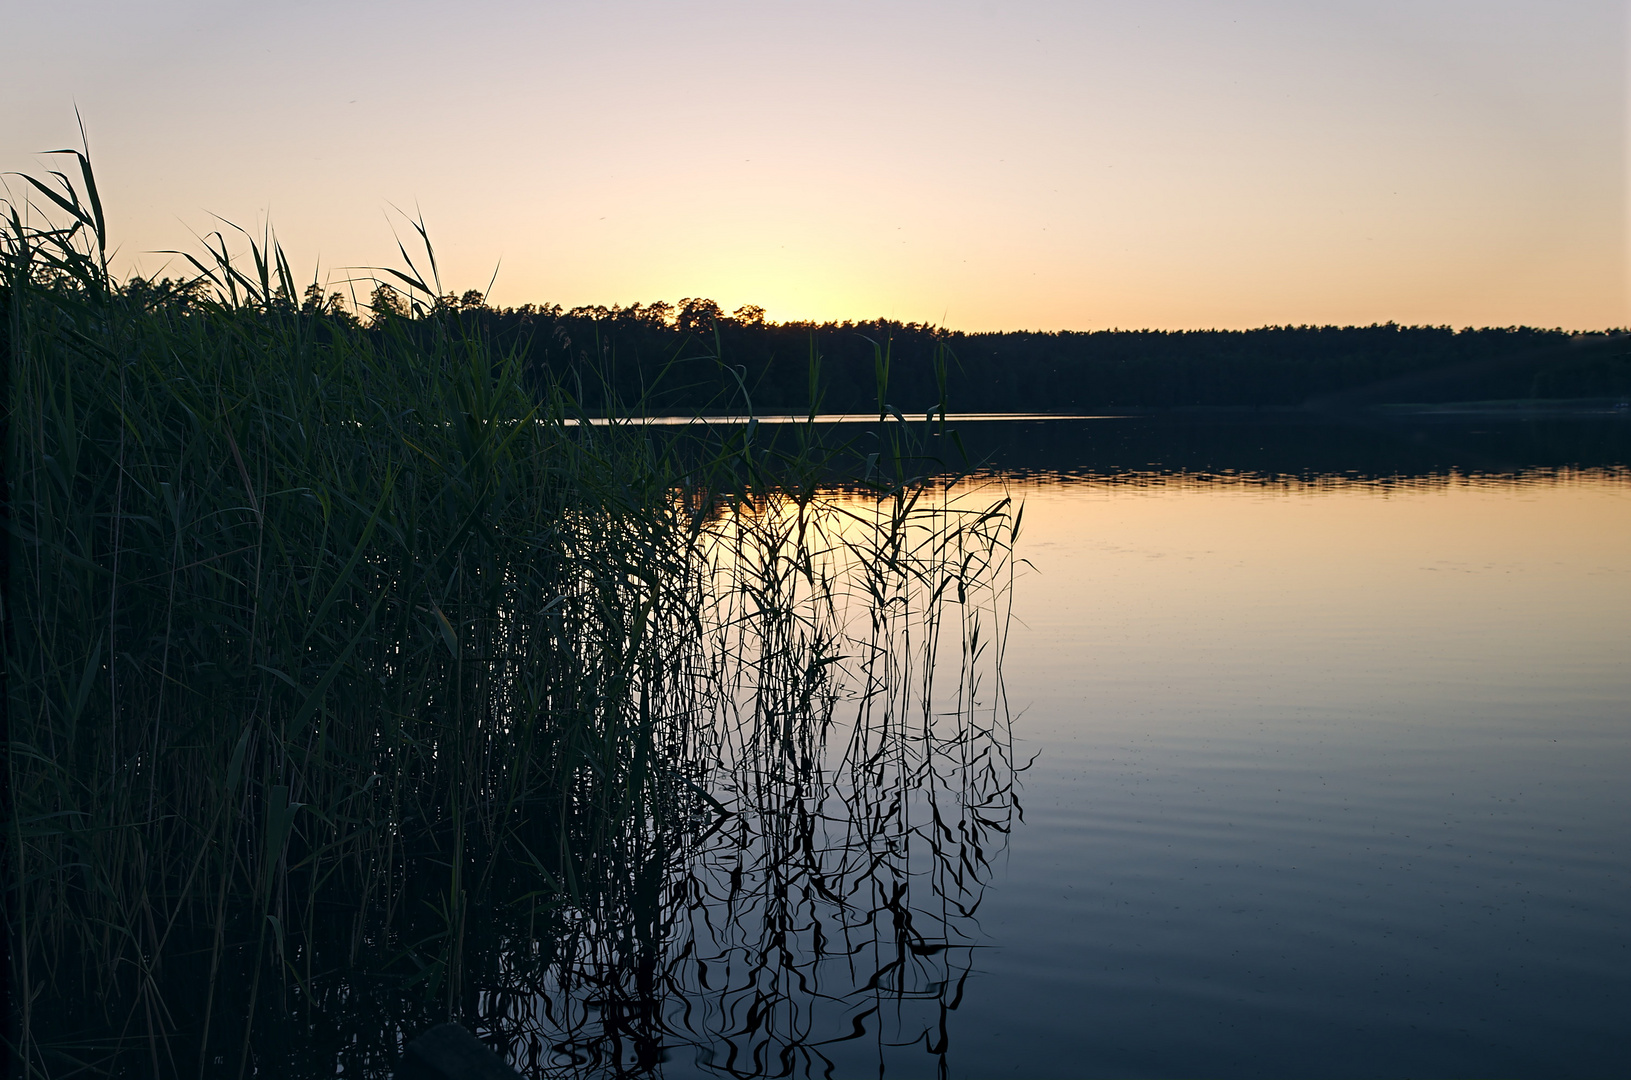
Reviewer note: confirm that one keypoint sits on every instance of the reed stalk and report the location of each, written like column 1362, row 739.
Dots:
column 350, row 674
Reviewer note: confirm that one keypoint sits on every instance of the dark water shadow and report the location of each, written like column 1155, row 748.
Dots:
column 1282, row 446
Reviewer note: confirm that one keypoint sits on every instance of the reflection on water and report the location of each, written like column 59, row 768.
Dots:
column 1330, row 776
column 1328, row 781
column 1281, row 447
column 1321, row 736
column 834, row 905
column 820, row 918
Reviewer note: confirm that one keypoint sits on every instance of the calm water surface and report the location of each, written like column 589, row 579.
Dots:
column 1329, row 780
column 1328, row 768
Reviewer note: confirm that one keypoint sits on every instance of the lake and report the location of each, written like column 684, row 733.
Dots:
column 1310, row 754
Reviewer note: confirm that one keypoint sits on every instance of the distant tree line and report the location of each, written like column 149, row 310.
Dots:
column 693, row 356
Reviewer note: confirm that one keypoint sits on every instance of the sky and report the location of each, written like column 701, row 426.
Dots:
column 978, row 165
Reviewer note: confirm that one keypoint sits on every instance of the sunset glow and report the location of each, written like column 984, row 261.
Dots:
column 1083, row 166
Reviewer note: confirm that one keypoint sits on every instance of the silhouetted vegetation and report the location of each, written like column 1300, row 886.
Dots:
column 355, row 681
column 355, row 684
column 693, row 356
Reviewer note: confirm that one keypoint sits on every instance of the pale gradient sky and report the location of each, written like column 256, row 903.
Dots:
column 1035, row 165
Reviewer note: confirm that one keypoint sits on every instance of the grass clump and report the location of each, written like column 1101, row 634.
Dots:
column 352, row 678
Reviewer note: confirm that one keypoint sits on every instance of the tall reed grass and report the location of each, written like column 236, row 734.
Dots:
column 347, row 672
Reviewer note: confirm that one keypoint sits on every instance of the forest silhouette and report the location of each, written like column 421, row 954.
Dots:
column 693, row 357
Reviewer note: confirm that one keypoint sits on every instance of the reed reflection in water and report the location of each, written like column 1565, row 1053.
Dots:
column 821, row 914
